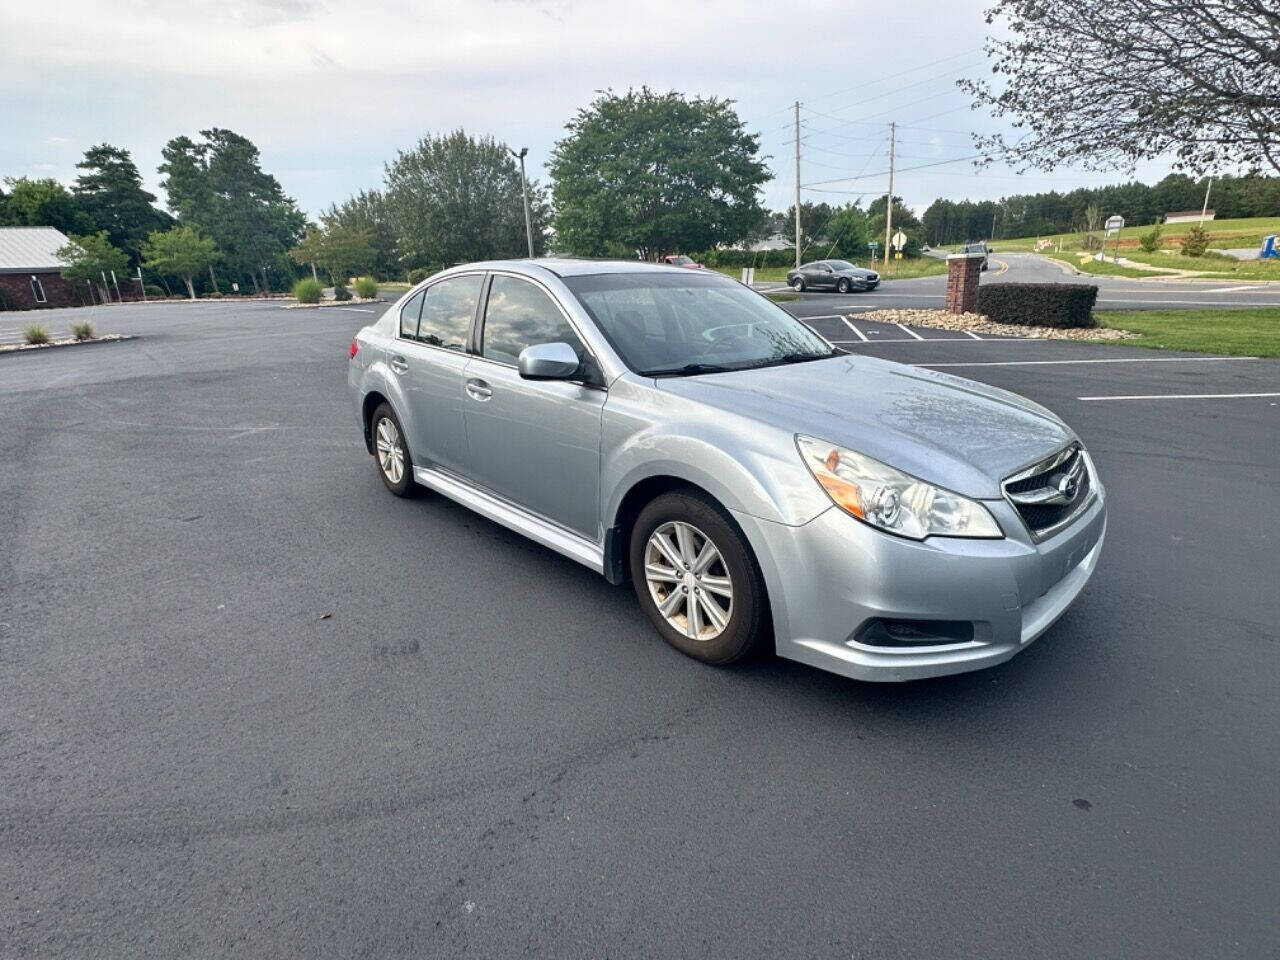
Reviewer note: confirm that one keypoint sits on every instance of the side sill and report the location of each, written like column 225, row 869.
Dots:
column 513, row 518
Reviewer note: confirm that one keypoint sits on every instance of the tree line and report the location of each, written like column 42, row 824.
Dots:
column 1044, row 214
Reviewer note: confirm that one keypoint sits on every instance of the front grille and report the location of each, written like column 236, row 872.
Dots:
column 1049, row 494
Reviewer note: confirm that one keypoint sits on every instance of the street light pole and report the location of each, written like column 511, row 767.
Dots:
column 524, row 193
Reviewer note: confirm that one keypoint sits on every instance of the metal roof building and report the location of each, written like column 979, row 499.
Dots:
column 31, row 273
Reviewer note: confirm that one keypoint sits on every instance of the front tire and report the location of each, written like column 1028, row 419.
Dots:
column 696, row 579
column 798, row 284
column 842, row 286
column 391, row 452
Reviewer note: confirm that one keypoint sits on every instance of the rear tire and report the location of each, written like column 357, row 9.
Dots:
column 700, row 585
column 391, row 452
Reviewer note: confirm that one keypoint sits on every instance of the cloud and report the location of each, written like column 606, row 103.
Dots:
column 285, row 72
column 56, row 141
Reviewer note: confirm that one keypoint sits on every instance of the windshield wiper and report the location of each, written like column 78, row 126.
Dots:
column 795, row 358
column 690, row 370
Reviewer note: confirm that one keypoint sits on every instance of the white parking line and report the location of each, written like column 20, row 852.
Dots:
column 1182, row 396
column 1048, row 363
column 972, row 334
column 849, row 323
column 909, row 332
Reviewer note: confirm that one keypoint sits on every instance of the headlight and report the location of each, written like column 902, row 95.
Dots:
column 878, row 494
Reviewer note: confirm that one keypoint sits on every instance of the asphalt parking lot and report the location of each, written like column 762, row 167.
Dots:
column 252, row 705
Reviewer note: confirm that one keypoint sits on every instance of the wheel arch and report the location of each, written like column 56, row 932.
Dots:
column 372, row 400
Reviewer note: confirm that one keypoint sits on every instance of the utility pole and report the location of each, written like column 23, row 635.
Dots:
column 1205, row 209
column 797, row 184
column 524, row 193
column 888, row 210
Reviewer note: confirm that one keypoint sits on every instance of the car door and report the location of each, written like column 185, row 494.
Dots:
column 826, row 277
column 430, row 357
column 535, row 443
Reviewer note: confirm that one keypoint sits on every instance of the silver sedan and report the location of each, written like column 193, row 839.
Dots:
column 755, row 484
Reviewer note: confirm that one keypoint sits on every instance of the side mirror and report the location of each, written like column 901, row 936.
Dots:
column 548, row 361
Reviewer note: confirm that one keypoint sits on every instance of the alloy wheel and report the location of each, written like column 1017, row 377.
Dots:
column 688, row 580
column 390, row 450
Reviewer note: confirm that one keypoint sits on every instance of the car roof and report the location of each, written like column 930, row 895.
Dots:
column 572, row 266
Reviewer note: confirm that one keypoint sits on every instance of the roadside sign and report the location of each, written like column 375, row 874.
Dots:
column 1114, row 223
column 899, row 240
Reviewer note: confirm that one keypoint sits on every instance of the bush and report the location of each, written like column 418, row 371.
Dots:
column 418, row 274
column 1039, row 304
column 366, row 287
column 152, row 290
column 36, row 333
column 340, row 292
column 82, row 330
column 1196, row 242
column 307, row 291
column 1150, row 242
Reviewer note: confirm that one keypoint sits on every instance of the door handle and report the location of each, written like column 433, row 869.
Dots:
column 399, row 364
column 478, row 390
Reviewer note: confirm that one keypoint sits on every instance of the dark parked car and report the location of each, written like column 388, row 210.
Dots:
column 979, row 247
column 839, row 275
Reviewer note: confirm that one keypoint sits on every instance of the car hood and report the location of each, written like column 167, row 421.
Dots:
column 951, row 432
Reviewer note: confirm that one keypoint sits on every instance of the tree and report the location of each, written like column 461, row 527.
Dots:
column 111, row 197
column 180, row 252
column 848, row 233
column 814, row 220
column 903, row 219
column 219, row 188
column 453, row 199
column 339, row 250
column 1109, row 82
column 655, row 173
column 92, row 258
column 43, row 203
column 367, row 211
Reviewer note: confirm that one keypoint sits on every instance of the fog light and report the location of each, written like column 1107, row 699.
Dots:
column 885, row 632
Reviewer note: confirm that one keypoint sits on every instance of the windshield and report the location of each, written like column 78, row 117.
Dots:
column 668, row 325
column 680, row 260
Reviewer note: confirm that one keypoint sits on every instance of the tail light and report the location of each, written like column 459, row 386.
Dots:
column 355, row 348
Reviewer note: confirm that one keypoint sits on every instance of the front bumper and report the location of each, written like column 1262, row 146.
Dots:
column 829, row 577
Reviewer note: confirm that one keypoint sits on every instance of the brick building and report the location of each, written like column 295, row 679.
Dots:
column 30, row 271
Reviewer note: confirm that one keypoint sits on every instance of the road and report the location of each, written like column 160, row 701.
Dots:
column 252, row 705
column 1114, row 293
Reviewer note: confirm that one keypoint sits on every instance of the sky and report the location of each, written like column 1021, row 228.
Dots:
column 331, row 91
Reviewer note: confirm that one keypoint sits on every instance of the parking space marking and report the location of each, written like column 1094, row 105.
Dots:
column 910, row 332
column 945, row 340
column 1182, row 396
column 861, row 336
column 1046, row 363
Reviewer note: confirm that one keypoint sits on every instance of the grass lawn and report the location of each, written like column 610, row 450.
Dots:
column 1222, row 233
column 1246, row 331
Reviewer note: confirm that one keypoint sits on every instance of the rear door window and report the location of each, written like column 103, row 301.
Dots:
column 448, row 311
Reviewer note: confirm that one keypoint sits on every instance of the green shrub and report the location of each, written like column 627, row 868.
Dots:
column 340, row 292
column 152, row 290
column 418, row 274
column 307, row 290
column 1196, row 242
column 366, row 287
column 82, row 330
column 1060, row 305
column 1150, row 241
column 36, row 333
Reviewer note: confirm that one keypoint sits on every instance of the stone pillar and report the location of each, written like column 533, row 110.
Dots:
column 963, row 271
